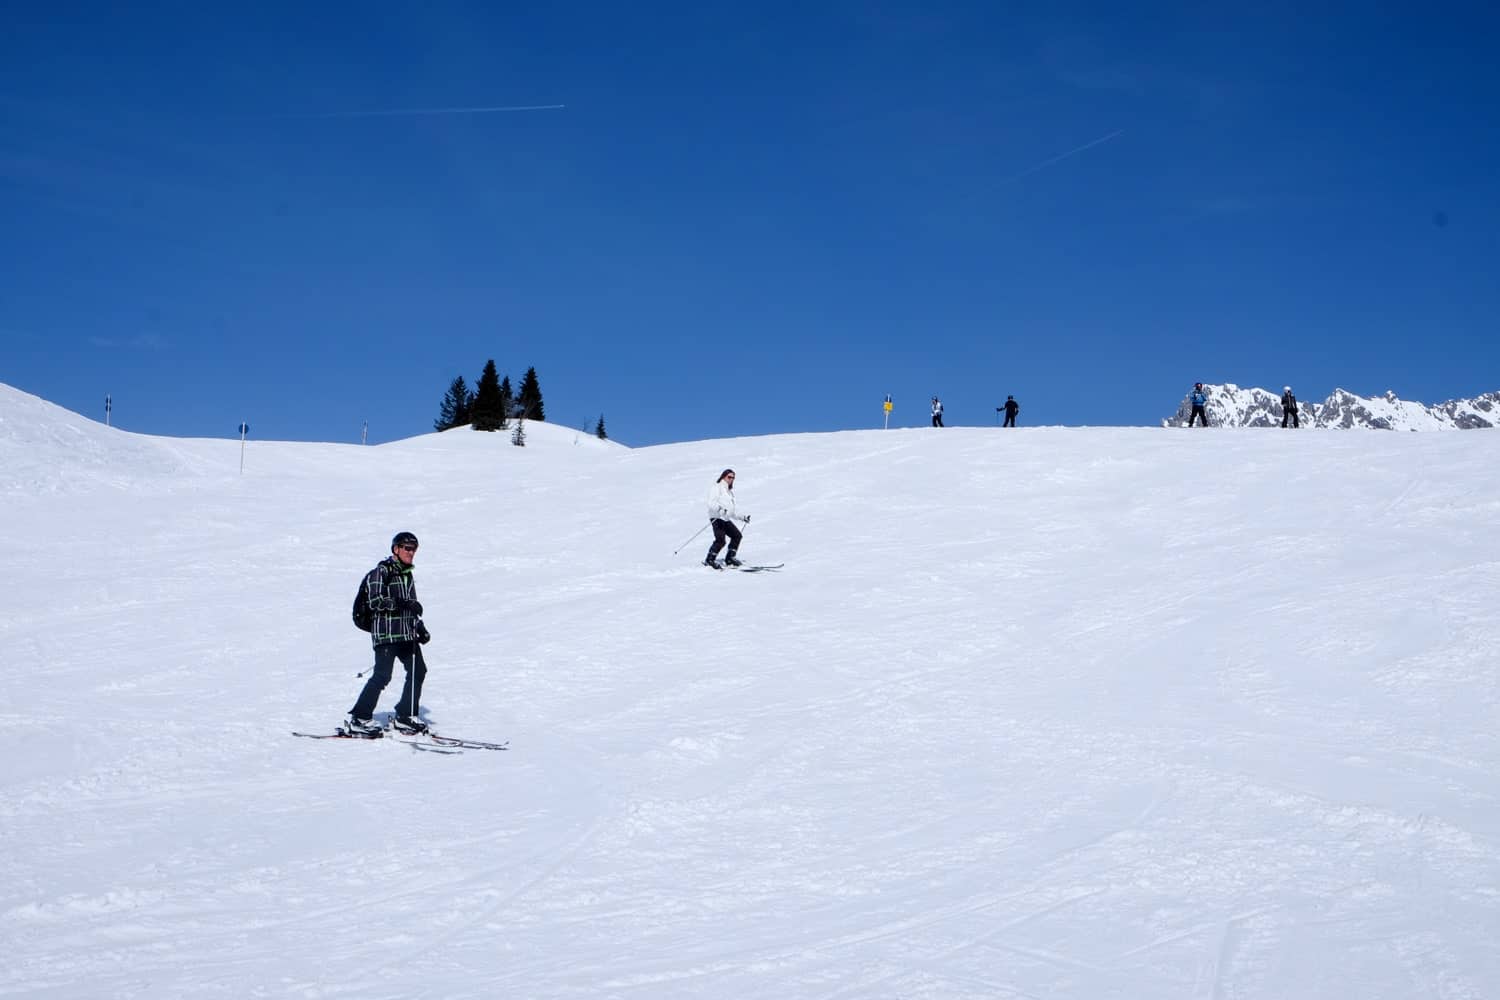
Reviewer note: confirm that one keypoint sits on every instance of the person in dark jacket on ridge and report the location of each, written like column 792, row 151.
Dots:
column 1011, row 408
column 1289, row 407
column 1199, row 398
column 397, row 634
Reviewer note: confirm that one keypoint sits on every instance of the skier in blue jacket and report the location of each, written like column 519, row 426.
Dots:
column 1199, row 398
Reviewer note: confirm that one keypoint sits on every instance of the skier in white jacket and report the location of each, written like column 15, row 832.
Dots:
column 722, row 514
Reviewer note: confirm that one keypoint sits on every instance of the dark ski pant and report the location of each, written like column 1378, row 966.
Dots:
column 1197, row 414
column 410, row 655
column 1010, row 420
column 937, row 420
column 724, row 529
column 1292, row 416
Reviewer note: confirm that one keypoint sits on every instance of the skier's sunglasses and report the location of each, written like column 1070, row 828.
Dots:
column 407, row 548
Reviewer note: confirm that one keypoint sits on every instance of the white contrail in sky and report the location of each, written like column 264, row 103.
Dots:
column 1072, row 152
column 427, row 111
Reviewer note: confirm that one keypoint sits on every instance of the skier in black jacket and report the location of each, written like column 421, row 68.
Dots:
column 397, row 634
column 1011, row 408
column 1289, row 407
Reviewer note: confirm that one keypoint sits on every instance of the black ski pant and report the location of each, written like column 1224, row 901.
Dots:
column 1198, row 414
column 1292, row 416
column 937, row 420
column 1010, row 420
column 386, row 655
column 724, row 529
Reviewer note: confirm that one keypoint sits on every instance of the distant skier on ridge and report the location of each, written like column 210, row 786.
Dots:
column 937, row 412
column 1199, row 398
column 1011, row 408
column 1289, row 407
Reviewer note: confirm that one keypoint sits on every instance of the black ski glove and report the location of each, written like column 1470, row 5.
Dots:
column 423, row 636
column 409, row 604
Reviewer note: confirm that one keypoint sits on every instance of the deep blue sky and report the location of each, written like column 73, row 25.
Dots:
column 748, row 218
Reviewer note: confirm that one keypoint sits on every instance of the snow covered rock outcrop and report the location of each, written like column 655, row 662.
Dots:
column 1229, row 405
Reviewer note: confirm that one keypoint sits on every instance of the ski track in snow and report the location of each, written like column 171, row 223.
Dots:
column 1029, row 713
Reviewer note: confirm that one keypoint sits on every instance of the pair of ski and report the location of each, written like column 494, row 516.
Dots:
column 428, row 742
column 752, row 569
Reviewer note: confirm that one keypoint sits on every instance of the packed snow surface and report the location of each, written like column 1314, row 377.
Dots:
column 1045, row 712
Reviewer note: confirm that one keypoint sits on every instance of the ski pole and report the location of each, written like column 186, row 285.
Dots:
column 690, row 540
column 411, row 712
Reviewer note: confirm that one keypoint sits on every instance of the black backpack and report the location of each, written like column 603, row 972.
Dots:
column 364, row 615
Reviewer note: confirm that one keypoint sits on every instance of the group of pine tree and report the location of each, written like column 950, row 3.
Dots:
column 493, row 404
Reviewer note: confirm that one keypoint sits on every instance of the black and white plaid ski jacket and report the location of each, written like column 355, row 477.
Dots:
column 387, row 585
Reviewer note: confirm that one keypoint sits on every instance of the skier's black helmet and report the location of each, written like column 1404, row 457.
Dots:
column 403, row 538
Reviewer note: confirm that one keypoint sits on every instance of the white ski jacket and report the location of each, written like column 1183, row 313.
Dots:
column 721, row 503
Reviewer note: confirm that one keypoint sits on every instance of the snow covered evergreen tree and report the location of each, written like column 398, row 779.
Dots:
column 455, row 408
column 488, row 413
column 531, row 397
column 599, row 429
column 507, row 399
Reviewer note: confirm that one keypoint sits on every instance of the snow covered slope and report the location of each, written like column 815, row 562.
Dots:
column 1230, row 405
column 1046, row 712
